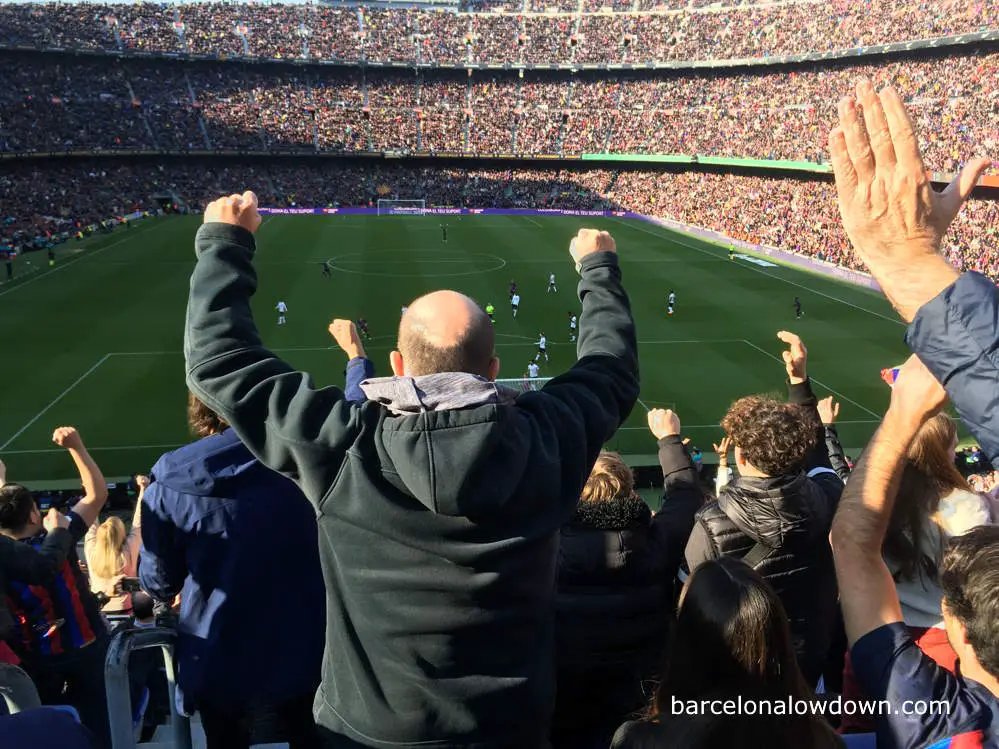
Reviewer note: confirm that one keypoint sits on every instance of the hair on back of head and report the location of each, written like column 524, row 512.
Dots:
column 610, row 478
column 202, row 421
column 929, row 475
column 775, row 437
column 969, row 576
column 16, row 504
column 472, row 352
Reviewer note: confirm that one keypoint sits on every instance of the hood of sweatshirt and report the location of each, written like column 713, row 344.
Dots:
column 452, row 439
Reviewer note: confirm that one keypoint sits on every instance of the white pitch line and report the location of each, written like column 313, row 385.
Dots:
column 96, row 449
column 58, row 398
column 534, row 222
column 817, row 382
column 647, row 409
column 83, row 255
column 760, row 270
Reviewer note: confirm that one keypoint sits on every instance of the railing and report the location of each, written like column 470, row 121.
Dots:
column 118, row 687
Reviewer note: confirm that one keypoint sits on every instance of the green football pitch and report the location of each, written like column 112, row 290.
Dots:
column 96, row 341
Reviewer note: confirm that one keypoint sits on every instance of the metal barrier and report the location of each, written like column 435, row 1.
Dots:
column 118, row 688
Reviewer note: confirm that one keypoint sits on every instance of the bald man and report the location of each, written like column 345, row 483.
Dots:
column 439, row 499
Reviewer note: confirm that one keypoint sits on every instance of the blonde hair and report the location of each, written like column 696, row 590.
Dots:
column 609, row 479
column 108, row 556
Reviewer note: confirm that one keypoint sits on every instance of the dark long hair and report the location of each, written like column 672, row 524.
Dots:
column 732, row 639
column 929, row 475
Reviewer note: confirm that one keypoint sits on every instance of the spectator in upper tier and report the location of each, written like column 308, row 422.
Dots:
column 113, row 553
column 731, row 640
column 896, row 223
column 617, row 566
column 776, row 515
column 62, row 639
column 439, row 499
column 238, row 542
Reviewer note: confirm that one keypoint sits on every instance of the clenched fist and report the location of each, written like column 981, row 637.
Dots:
column 237, row 210
column 588, row 241
column 663, row 423
column 68, row 437
column 55, row 519
column 344, row 332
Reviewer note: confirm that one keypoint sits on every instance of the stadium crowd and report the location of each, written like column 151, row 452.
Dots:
column 691, row 32
column 144, row 105
column 463, row 553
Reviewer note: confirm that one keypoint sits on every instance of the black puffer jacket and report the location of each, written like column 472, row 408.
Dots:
column 617, row 567
column 784, row 523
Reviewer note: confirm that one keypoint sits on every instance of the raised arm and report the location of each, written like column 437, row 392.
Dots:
column 289, row 424
column 867, row 590
column 799, row 392
column 896, row 223
column 95, row 488
column 25, row 564
column 682, row 496
column 359, row 366
column 828, row 413
column 587, row 404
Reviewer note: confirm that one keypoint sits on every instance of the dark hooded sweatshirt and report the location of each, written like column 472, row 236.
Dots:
column 439, row 503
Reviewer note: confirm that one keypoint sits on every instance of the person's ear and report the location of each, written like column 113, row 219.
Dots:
column 494, row 367
column 397, row 365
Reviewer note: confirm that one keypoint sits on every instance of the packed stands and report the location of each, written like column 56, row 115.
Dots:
column 641, row 32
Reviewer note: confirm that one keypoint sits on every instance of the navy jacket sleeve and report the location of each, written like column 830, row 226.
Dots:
column 681, row 499
column 581, row 409
column 283, row 419
column 801, row 395
column 957, row 337
column 359, row 369
column 162, row 564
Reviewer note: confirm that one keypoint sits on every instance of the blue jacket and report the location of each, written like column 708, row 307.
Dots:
column 240, row 543
column 358, row 370
column 957, row 337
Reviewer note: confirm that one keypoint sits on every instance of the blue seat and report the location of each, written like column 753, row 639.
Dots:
column 860, row 740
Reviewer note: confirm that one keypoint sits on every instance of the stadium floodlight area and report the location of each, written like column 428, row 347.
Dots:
column 524, row 384
column 388, row 207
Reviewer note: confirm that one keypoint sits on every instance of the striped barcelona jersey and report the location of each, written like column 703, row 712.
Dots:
column 59, row 617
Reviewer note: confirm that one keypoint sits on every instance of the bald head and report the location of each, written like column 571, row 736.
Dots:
column 445, row 331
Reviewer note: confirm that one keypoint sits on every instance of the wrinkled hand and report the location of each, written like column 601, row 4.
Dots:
column 916, row 395
column 68, row 437
column 345, row 334
column 795, row 359
column 828, row 410
column 663, row 423
column 238, row 210
column 722, row 449
column 55, row 519
column 892, row 215
column 588, row 241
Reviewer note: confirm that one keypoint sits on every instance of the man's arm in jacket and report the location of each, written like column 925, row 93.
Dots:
column 681, row 498
column 278, row 413
column 359, row 369
column 25, row 564
column 162, row 565
column 581, row 409
column 837, row 458
column 956, row 335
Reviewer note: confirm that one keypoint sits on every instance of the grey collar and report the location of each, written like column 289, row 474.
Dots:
column 445, row 391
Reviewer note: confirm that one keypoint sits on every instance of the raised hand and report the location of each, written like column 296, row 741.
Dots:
column 142, row 481
column 828, row 410
column 663, row 423
column 68, row 437
column 917, row 394
column 722, row 449
column 55, row 519
column 795, row 358
column 238, row 210
column 893, row 217
column 345, row 334
column 588, row 241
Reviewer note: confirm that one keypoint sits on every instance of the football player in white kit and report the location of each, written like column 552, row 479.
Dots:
column 573, row 321
column 282, row 308
column 551, row 284
column 542, row 348
column 533, row 369
column 515, row 303
column 670, row 302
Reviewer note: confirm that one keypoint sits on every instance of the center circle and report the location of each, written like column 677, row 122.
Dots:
column 408, row 256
